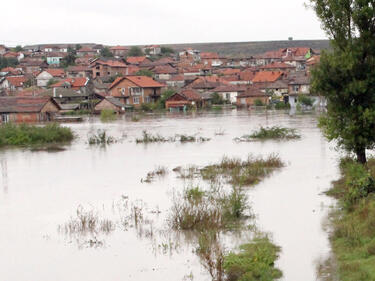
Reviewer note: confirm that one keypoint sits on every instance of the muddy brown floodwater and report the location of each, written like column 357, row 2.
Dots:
column 40, row 191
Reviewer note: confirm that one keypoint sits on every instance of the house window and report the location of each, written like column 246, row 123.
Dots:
column 5, row 118
column 98, row 74
column 135, row 100
column 227, row 96
column 136, row 91
column 147, row 99
column 98, row 67
column 295, row 88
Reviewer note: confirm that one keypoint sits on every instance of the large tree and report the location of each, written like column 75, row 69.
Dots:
column 346, row 73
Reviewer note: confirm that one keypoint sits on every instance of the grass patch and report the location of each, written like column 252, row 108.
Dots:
column 214, row 209
column 27, row 135
column 234, row 170
column 353, row 236
column 276, row 132
column 107, row 115
column 100, row 137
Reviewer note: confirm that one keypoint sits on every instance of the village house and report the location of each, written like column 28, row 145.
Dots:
column 278, row 88
column 184, row 99
column 152, row 50
column 211, row 59
column 77, row 84
column 74, row 71
column 136, row 90
column 86, row 51
column 27, row 109
column 11, row 71
column 189, row 55
column 119, row 51
column 112, row 103
column 45, row 76
column 229, row 93
column 299, row 84
column 163, row 72
column 12, row 84
column 67, row 98
column 267, row 76
column 251, row 96
column 54, row 58
column 33, row 65
column 106, row 67
column 54, row 48
column 176, row 81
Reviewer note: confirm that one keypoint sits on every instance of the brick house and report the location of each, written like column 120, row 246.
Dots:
column 136, row 90
column 108, row 67
column 181, row 100
column 27, row 109
column 13, row 84
column 250, row 96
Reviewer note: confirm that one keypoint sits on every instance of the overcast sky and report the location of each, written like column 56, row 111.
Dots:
column 132, row 22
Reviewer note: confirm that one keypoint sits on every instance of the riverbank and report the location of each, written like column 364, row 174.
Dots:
column 353, row 222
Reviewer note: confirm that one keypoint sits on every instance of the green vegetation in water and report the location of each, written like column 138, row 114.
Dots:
column 198, row 209
column 255, row 261
column 27, row 135
column 234, row 170
column 100, row 137
column 151, row 138
column 275, row 132
column 353, row 236
column 305, row 100
column 107, row 115
column 160, row 171
column 135, row 118
column 281, row 105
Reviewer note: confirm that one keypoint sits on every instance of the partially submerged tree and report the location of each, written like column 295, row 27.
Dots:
column 346, row 74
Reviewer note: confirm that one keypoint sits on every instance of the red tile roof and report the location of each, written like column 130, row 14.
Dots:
column 111, row 63
column 135, row 60
column 23, row 104
column 267, row 76
column 252, row 92
column 75, row 83
column 86, row 49
column 119, row 48
column 164, row 69
column 191, row 95
column 56, row 72
column 17, row 81
column 141, row 81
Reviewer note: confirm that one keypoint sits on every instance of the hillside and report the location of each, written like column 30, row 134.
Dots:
column 251, row 48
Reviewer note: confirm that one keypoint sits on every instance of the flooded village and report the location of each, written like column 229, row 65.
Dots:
column 140, row 158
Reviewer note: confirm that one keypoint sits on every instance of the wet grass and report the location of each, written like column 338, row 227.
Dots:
column 28, row 135
column 214, row 209
column 353, row 223
column 100, row 138
column 87, row 222
column 275, row 133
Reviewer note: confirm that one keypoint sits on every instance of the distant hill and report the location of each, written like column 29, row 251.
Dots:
column 251, row 48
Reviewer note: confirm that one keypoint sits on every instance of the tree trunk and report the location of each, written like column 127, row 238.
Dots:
column 361, row 155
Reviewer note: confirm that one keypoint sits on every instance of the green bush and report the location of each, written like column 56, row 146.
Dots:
column 254, row 262
column 305, row 100
column 258, row 102
column 24, row 135
column 274, row 132
column 282, row 105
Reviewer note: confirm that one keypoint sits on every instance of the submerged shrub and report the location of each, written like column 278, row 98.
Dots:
column 305, row 100
column 100, row 137
column 19, row 135
column 107, row 115
column 274, row 132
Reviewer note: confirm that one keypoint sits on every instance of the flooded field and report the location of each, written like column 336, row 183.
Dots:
column 43, row 193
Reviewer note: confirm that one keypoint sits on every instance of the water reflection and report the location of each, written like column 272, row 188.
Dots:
column 4, row 174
